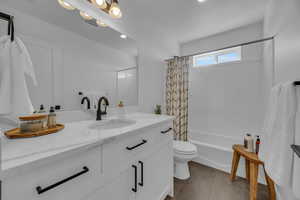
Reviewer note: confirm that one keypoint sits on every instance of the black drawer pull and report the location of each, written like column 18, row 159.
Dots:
column 166, row 131
column 41, row 190
column 140, row 144
column 135, row 178
column 142, row 174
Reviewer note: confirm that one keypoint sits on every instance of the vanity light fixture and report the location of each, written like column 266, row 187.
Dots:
column 101, row 23
column 111, row 7
column 201, row 1
column 65, row 5
column 114, row 10
column 100, row 3
column 85, row 16
column 123, row 36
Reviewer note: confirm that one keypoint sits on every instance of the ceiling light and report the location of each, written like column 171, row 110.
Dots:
column 85, row 16
column 201, row 1
column 66, row 5
column 123, row 36
column 101, row 23
column 100, row 3
column 115, row 11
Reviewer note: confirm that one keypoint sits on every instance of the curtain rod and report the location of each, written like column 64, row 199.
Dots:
column 228, row 47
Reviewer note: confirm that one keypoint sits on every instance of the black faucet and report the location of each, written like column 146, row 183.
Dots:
column 99, row 111
column 88, row 102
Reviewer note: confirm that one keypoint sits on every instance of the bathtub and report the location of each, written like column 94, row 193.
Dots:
column 216, row 151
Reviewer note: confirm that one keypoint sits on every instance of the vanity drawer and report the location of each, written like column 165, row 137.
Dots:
column 71, row 177
column 121, row 153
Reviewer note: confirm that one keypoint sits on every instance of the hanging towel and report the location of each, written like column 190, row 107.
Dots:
column 279, row 130
column 14, row 95
column 296, row 166
column 5, row 76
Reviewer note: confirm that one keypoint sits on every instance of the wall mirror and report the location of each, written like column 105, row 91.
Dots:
column 71, row 55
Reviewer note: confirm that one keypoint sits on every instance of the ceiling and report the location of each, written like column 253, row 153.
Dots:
column 187, row 20
column 158, row 24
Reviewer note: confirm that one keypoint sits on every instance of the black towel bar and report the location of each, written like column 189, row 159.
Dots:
column 11, row 28
column 296, row 149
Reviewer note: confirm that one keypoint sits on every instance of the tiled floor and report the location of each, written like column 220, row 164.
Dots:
column 210, row 184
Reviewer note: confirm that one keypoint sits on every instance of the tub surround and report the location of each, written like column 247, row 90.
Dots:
column 88, row 160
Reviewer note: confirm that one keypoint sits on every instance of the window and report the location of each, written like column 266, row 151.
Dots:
column 218, row 57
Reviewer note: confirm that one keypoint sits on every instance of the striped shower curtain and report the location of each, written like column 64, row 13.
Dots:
column 177, row 95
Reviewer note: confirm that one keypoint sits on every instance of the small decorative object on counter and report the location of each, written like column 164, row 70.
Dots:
column 57, row 107
column 52, row 118
column 249, row 143
column 157, row 110
column 257, row 144
column 32, row 123
column 121, row 110
column 121, row 104
column 42, row 109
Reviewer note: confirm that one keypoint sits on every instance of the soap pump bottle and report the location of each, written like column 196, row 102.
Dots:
column 249, row 143
column 52, row 118
column 257, row 144
column 42, row 109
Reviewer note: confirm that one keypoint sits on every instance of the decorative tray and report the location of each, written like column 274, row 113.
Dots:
column 16, row 133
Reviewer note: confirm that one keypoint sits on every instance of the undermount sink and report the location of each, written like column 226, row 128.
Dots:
column 112, row 124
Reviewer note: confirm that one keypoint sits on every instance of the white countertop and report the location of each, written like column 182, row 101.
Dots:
column 75, row 136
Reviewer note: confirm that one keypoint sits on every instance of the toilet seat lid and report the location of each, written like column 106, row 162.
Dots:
column 184, row 147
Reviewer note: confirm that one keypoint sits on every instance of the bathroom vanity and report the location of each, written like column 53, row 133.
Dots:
column 113, row 159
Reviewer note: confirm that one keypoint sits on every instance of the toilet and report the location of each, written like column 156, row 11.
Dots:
column 183, row 153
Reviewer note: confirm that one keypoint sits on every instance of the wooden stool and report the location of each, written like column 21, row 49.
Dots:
column 252, row 165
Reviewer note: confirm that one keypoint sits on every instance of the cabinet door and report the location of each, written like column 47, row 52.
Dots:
column 119, row 188
column 158, row 174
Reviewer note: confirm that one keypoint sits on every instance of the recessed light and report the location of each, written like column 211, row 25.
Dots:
column 201, row 1
column 123, row 36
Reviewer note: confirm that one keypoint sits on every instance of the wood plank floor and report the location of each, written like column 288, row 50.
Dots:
column 210, row 184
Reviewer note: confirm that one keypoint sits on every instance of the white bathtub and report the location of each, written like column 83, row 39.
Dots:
column 216, row 151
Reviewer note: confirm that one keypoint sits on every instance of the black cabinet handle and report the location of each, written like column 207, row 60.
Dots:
column 166, row 131
column 140, row 144
column 41, row 190
column 142, row 174
column 135, row 178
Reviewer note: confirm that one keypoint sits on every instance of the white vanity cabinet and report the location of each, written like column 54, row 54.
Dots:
column 144, row 171
column 71, row 177
column 137, row 165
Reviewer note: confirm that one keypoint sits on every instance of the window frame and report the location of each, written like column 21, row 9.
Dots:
column 216, row 55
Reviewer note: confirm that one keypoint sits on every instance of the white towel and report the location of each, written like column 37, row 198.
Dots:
column 5, row 77
column 15, row 63
column 296, row 166
column 279, row 133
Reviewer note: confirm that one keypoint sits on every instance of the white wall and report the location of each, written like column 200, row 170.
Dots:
column 282, row 20
column 151, row 79
column 227, row 99
column 66, row 62
column 127, row 86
